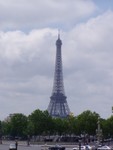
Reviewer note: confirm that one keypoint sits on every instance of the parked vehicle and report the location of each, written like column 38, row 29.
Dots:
column 88, row 147
column 57, row 147
column 83, row 147
column 104, row 148
column 12, row 146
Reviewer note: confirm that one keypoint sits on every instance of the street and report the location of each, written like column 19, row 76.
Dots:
column 20, row 147
column 25, row 147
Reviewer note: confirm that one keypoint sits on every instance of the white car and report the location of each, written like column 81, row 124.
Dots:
column 103, row 148
column 88, row 147
column 77, row 148
column 84, row 147
column 12, row 146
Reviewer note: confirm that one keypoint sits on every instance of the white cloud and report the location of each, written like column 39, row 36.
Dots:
column 27, row 58
column 89, row 64
column 26, row 15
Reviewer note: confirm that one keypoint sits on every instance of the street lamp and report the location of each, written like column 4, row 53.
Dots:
column 99, row 131
column 79, row 144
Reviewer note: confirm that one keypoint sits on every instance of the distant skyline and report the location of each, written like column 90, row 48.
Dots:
column 28, row 32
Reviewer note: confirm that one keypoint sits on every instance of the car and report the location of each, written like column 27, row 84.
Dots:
column 76, row 148
column 83, row 147
column 12, row 146
column 57, row 147
column 88, row 147
column 103, row 148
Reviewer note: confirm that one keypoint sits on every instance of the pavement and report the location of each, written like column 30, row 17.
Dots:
column 23, row 146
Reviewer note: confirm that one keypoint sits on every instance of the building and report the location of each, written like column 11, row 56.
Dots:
column 58, row 106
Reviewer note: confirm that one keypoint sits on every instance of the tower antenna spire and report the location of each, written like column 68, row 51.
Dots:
column 58, row 33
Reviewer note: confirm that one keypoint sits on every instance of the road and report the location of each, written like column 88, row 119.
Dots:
column 20, row 147
column 25, row 147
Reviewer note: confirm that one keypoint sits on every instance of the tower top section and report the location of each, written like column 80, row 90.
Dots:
column 58, row 42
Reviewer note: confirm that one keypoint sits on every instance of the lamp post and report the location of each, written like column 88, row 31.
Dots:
column 98, row 131
column 0, row 132
column 79, row 144
column 28, row 140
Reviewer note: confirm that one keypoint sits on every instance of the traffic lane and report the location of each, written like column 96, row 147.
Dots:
column 24, row 147
column 20, row 147
column 4, row 147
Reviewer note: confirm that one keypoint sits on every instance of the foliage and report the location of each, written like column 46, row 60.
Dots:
column 15, row 125
column 87, row 122
column 107, row 126
column 41, row 123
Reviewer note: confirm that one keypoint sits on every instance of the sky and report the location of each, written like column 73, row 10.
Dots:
column 28, row 32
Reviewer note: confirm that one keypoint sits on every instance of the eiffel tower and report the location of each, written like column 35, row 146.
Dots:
column 58, row 106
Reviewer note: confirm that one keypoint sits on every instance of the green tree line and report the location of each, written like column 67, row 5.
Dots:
column 41, row 123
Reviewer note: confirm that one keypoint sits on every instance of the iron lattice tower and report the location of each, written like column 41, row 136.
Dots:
column 58, row 106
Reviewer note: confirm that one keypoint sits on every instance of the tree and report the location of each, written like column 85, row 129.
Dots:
column 59, row 126
column 18, row 125
column 71, row 122
column 41, row 122
column 87, row 122
column 107, row 127
column 6, row 128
